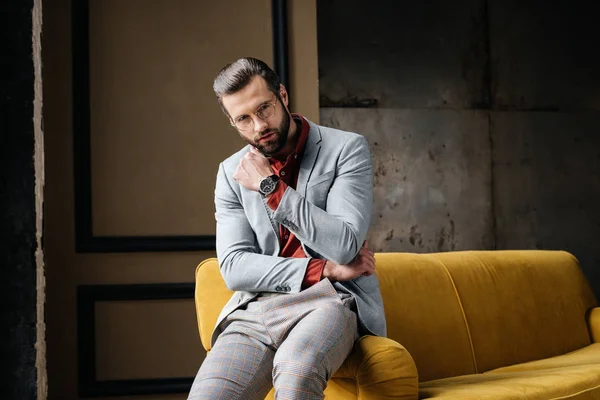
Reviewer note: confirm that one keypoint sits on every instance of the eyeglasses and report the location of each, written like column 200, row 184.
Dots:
column 264, row 112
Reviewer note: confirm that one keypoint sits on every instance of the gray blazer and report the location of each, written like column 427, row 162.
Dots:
column 329, row 212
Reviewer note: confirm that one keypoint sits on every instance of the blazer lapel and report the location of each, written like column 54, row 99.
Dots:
column 311, row 152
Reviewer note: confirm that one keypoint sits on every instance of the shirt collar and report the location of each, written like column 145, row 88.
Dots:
column 304, row 128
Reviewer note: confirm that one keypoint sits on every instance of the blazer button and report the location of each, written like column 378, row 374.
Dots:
column 288, row 289
column 278, row 289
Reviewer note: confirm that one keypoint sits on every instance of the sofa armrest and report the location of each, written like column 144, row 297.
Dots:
column 211, row 295
column 383, row 369
column 593, row 323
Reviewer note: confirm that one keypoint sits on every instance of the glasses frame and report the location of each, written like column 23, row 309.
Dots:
column 272, row 104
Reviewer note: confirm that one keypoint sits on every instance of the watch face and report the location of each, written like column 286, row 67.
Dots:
column 267, row 185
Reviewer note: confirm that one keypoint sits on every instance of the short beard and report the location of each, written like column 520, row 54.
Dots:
column 276, row 144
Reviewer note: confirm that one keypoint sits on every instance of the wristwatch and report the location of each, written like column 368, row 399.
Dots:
column 267, row 185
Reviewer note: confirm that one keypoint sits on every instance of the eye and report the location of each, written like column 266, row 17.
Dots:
column 241, row 118
column 262, row 108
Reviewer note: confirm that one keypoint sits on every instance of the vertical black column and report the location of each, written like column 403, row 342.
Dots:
column 280, row 40
column 17, row 204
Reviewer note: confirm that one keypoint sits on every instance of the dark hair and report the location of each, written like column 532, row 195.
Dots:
column 235, row 76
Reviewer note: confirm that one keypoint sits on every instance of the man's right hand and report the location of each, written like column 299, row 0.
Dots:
column 363, row 264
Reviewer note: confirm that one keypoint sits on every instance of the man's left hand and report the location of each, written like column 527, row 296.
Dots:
column 252, row 168
column 363, row 264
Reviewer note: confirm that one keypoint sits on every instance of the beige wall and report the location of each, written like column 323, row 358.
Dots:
column 157, row 137
column 304, row 74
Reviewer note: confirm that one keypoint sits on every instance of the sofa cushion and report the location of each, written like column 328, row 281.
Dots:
column 573, row 383
column 521, row 305
column 424, row 315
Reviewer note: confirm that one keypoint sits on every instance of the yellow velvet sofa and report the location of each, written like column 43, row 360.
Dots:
column 464, row 325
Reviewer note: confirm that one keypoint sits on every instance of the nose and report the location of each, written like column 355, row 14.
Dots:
column 259, row 124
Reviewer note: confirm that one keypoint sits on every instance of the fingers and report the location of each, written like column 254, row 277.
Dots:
column 255, row 159
column 367, row 261
column 365, row 267
column 255, row 151
column 370, row 265
column 252, row 155
column 239, row 173
column 364, row 252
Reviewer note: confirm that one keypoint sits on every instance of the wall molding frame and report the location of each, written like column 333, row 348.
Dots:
column 87, row 296
column 85, row 240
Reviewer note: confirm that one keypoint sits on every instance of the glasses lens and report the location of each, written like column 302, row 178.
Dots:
column 266, row 111
column 244, row 124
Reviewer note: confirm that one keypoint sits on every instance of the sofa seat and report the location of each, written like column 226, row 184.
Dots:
column 574, row 383
column 575, row 375
column 589, row 355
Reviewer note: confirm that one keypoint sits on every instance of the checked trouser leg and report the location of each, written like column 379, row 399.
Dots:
column 294, row 342
column 238, row 366
column 313, row 350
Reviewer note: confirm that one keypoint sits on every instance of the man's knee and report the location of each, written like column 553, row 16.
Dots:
column 218, row 386
column 299, row 372
column 238, row 367
column 213, row 389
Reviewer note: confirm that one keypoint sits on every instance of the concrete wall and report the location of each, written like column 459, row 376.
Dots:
column 483, row 118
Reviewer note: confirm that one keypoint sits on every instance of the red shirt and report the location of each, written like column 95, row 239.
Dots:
column 287, row 171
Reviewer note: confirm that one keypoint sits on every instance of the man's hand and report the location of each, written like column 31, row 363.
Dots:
column 363, row 264
column 252, row 168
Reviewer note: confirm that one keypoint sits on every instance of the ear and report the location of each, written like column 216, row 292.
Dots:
column 284, row 95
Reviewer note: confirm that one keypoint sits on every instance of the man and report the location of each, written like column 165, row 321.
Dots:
column 292, row 209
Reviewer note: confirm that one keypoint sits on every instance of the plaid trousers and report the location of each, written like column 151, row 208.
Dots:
column 293, row 342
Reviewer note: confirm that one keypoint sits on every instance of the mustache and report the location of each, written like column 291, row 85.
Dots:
column 266, row 133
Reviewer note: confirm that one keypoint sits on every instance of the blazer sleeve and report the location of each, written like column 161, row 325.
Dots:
column 242, row 266
column 338, row 232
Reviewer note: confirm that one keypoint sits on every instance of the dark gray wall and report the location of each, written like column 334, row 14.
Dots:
column 17, row 204
column 483, row 118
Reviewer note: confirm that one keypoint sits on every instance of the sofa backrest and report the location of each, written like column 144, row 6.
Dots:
column 473, row 311
column 520, row 305
column 424, row 314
